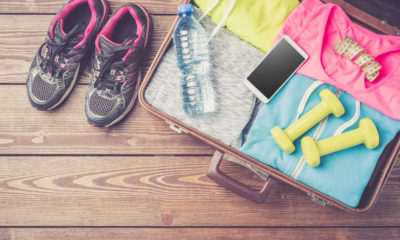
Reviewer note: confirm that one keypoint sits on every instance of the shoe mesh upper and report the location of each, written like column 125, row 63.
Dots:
column 64, row 52
column 101, row 106
column 119, row 63
column 41, row 89
column 128, row 95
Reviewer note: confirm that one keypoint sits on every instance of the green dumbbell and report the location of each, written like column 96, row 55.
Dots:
column 366, row 133
column 329, row 104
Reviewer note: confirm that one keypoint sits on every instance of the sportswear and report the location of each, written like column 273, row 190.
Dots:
column 316, row 27
column 119, row 49
column 55, row 67
column 255, row 21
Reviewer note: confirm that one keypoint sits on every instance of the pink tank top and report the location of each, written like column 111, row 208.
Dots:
column 316, row 27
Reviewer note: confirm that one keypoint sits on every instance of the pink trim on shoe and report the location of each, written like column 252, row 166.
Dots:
column 68, row 9
column 62, row 27
column 129, row 42
column 150, row 27
column 91, row 25
column 149, row 30
column 64, row 13
column 110, row 26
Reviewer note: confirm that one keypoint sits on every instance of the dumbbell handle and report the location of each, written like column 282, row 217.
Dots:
column 307, row 121
column 340, row 142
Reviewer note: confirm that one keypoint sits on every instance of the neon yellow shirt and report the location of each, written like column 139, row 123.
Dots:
column 255, row 21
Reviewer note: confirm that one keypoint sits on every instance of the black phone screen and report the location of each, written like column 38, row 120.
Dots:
column 276, row 68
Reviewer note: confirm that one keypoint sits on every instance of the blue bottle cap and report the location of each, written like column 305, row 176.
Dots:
column 186, row 8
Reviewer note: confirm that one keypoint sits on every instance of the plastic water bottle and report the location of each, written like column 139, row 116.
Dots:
column 192, row 57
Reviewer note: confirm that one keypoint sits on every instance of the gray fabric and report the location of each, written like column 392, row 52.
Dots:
column 242, row 139
column 232, row 59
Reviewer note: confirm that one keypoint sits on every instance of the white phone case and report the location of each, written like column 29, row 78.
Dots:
column 255, row 90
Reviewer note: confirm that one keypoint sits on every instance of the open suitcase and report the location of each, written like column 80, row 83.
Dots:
column 373, row 188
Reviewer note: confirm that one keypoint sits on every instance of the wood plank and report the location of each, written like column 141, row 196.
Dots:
column 22, row 35
column 53, row 6
column 200, row 233
column 160, row 191
column 25, row 130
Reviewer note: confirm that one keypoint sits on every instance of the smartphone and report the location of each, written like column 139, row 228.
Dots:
column 275, row 69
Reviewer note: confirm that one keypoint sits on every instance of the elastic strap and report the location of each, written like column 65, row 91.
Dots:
column 306, row 96
column 209, row 10
column 223, row 19
column 349, row 123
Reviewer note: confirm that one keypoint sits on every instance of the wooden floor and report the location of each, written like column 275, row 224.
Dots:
column 63, row 179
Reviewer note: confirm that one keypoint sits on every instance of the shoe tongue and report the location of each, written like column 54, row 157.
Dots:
column 59, row 34
column 108, row 46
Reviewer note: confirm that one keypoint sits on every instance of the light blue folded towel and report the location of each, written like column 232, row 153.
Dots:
column 342, row 175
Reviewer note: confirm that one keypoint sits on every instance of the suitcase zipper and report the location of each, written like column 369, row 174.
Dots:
column 300, row 165
column 302, row 161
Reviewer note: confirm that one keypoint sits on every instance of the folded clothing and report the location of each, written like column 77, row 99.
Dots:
column 255, row 21
column 231, row 60
column 342, row 175
column 316, row 27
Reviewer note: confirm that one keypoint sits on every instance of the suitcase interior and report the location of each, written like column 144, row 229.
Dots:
column 382, row 169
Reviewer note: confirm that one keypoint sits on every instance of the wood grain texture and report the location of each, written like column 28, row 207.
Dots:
column 22, row 35
column 201, row 233
column 53, row 6
column 68, row 187
column 25, row 130
column 159, row 191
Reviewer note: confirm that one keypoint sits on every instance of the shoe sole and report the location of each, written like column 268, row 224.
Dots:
column 102, row 22
column 131, row 104
column 71, row 86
